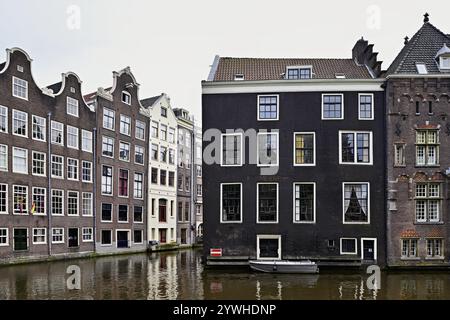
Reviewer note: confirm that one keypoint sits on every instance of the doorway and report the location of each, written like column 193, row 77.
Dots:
column 268, row 247
column 368, row 249
column 20, row 239
column 73, row 238
column 122, row 239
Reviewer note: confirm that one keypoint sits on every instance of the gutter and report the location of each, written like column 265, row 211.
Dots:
column 49, row 174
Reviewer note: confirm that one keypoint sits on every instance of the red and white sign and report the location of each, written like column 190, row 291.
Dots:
column 215, row 252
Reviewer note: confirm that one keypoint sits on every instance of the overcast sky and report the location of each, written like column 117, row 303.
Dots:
column 170, row 44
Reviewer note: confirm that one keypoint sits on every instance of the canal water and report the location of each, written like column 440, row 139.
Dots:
column 181, row 275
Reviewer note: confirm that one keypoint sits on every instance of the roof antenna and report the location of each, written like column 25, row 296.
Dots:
column 426, row 17
column 406, row 40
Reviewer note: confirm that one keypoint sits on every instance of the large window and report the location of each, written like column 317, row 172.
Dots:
column 72, row 137
column 231, row 202
column 106, row 239
column 108, row 119
column 123, row 183
column 39, row 128
column 124, row 151
column 72, row 106
column 122, row 213
column 162, row 177
column 399, row 155
column 163, row 154
column 155, row 152
column 304, row 202
column 87, row 234
column 268, row 107
column 107, row 180
column 171, row 156
column 87, row 204
column 409, row 248
column 171, row 135
column 86, row 140
column 162, row 205
column 20, row 199
column 355, row 147
column 267, row 195
column 39, row 235
column 106, row 212
column 57, row 235
column 231, row 149
column 138, row 154
column 72, row 203
column 332, row 106
column 125, row 125
column 163, row 132
column 268, row 247
column 427, row 147
column 86, row 171
column 171, row 182
column 72, row 169
column 4, row 198
column 140, row 130
column 154, row 129
column 138, row 185
column 356, row 202
column 365, row 106
column 267, row 149
column 57, row 166
column 38, row 204
column 154, row 177
column 57, row 133
column 20, row 123
column 138, row 216
column 295, row 73
column 20, row 160
column 39, row 163
column 435, row 248
column 3, row 119
column 428, row 198
column 57, row 202
column 3, row 157
column 107, row 146
column 304, row 148
column 20, row 88
column 126, row 97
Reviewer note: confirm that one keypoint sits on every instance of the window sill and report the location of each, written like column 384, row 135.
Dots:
column 399, row 165
column 434, row 258
column 427, row 166
column 410, row 259
column 429, row 223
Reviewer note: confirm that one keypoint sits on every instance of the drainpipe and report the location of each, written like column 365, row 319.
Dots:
column 49, row 180
column 94, row 191
column 193, row 187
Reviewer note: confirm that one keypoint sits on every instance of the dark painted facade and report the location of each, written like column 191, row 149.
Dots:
column 234, row 104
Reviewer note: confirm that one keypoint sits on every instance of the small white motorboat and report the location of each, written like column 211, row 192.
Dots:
column 284, row 266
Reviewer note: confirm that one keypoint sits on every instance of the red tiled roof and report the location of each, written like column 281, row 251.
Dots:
column 274, row 68
column 409, row 234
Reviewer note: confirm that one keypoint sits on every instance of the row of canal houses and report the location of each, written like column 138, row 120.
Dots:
column 95, row 173
column 333, row 160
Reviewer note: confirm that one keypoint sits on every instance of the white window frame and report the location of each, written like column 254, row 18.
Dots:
column 143, row 154
column 314, row 204
column 136, row 129
column 368, row 202
column 45, row 164
column 348, row 253
column 70, row 128
column 128, row 239
column 73, row 103
column 78, row 203
column 62, row 235
column 372, row 106
column 257, row 149
column 375, row 247
column 268, row 236
column 112, row 213
column 62, row 166
column 129, row 151
column 120, row 125
column 142, row 186
column 298, row 68
column 342, row 105
column 91, row 233
column 355, row 146
column 56, row 123
column 62, row 203
column 257, row 203
column 26, row 88
column 136, row 221
column 101, row 239
column 113, row 146
column 7, row 238
column 278, row 106
column 114, row 119
column 6, row 155
column 221, row 202
column 26, row 161
column 45, row 236
column 112, row 181
column 86, row 136
column 142, row 236
column 27, row 200
column 26, row 123
column 240, row 135
column 441, row 63
column 44, row 132
column 45, row 201
column 7, row 118
column 77, row 167
column 128, row 213
column 128, row 95
column 422, row 68
column 91, row 170
column 128, row 183
column 6, row 199
column 314, row 151
column 82, row 204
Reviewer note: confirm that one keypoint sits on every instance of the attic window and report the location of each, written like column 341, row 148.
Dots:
column 339, row 75
column 444, row 63
column 72, row 89
column 295, row 73
column 421, row 68
column 19, row 68
column 126, row 97
column 239, row 77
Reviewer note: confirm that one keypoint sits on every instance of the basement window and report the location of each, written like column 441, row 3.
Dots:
column 421, row 68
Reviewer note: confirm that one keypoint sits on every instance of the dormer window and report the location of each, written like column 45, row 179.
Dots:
column 126, row 97
column 421, row 68
column 339, row 76
column 164, row 112
column 295, row 73
column 444, row 63
column 239, row 77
